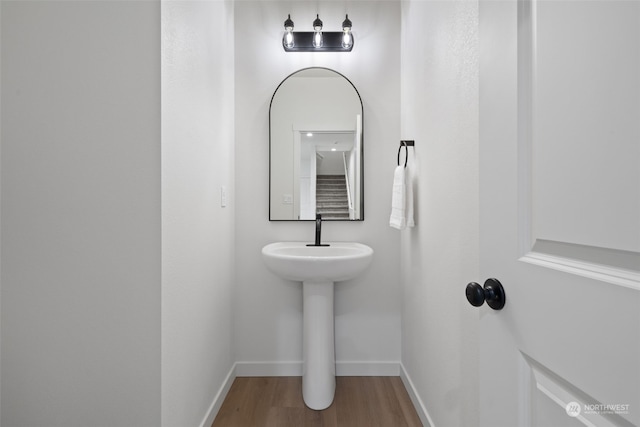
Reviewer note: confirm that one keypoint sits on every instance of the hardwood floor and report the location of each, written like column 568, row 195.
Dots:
column 277, row 402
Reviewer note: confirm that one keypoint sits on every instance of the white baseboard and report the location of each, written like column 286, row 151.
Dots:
column 294, row 369
column 220, row 396
column 268, row 369
column 367, row 369
column 415, row 398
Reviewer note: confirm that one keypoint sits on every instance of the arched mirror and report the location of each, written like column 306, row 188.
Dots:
column 315, row 148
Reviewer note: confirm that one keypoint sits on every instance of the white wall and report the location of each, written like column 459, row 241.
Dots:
column 197, row 232
column 440, row 255
column 268, row 310
column 80, row 214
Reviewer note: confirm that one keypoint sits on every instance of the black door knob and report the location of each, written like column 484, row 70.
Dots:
column 492, row 293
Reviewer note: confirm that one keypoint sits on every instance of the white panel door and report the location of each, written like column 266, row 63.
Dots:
column 560, row 212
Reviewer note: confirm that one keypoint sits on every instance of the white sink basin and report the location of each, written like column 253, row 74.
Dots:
column 317, row 267
column 334, row 263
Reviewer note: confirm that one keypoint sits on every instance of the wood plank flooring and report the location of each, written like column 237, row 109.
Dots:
column 277, row 402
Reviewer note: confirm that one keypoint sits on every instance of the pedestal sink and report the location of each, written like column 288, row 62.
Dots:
column 317, row 267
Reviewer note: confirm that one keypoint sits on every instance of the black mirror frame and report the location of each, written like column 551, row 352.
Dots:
column 361, row 146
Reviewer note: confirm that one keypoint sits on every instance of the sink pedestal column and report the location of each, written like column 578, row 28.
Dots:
column 319, row 364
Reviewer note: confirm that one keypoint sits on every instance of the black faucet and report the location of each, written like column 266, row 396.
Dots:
column 318, row 231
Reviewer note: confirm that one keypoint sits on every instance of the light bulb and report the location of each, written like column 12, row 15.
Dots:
column 287, row 39
column 317, row 39
column 317, row 32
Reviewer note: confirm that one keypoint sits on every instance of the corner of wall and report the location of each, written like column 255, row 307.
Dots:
column 218, row 400
column 0, row 215
column 198, row 219
column 439, row 111
column 418, row 404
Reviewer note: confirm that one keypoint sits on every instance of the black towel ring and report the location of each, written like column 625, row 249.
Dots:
column 405, row 144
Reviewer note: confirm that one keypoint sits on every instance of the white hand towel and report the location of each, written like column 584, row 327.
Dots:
column 402, row 199
column 398, row 219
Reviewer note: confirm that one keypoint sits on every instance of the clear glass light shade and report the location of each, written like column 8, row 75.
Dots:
column 287, row 39
column 317, row 32
column 347, row 37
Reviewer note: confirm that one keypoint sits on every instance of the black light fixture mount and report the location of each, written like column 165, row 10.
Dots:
column 317, row 40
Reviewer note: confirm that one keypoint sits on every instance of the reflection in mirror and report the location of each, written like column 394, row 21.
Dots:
column 315, row 124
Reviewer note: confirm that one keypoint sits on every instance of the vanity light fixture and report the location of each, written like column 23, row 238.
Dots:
column 317, row 40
